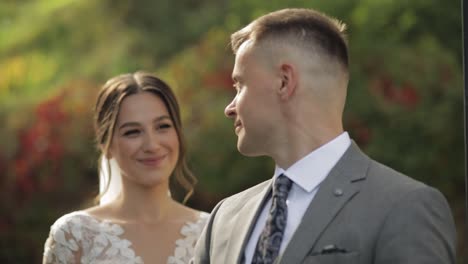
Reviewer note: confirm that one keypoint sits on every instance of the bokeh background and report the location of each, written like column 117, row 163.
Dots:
column 405, row 104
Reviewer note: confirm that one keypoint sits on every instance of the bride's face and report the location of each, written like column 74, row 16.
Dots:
column 145, row 142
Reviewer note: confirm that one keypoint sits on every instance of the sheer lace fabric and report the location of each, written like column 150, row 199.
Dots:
column 80, row 238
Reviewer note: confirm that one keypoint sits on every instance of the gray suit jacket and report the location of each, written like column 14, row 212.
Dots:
column 363, row 212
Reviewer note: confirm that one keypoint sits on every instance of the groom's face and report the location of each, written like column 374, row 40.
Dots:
column 253, row 109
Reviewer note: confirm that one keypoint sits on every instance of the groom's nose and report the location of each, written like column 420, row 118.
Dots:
column 230, row 110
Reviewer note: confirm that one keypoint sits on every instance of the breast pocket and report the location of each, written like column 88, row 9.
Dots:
column 335, row 258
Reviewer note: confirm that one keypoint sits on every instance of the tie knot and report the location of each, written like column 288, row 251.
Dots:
column 282, row 186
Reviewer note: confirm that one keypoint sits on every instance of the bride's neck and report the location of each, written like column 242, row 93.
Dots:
column 145, row 204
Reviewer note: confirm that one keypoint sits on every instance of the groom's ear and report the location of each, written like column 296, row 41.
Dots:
column 289, row 80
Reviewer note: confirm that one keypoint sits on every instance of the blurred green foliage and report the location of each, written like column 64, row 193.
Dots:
column 405, row 100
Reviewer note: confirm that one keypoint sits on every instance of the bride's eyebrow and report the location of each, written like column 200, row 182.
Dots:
column 163, row 117
column 129, row 124
column 134, row 124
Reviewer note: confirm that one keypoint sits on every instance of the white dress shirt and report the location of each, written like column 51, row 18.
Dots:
column 306, row 174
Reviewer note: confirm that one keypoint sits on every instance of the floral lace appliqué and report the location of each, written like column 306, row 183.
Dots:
column 79, row 238
column 185, row 246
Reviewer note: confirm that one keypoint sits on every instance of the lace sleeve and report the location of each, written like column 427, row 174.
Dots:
column 62, row 244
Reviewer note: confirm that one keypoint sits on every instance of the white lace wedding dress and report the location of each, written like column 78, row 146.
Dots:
column 80, row 238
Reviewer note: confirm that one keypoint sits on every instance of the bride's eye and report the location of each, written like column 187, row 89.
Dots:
column 163, row 126
column 132, row 132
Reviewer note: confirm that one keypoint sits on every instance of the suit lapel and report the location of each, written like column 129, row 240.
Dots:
column 245, row 222
column 334, row 192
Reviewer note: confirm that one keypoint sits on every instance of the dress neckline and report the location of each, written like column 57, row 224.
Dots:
column 201, row 215
column 187, row 229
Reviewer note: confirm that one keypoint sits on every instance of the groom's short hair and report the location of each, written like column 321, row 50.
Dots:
column 306, row 28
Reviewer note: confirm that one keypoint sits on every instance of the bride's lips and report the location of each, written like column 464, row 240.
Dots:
column 152, row 161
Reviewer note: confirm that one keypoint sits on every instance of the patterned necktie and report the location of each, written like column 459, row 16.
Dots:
column 269, row 243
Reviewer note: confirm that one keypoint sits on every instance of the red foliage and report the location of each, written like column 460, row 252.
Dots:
column 408, row 96
column 219, row 80
column 405, row 95
column 360, row 132
column 41, row 146
column 446, row 73
column 51, row 110
column 25, row 185
column 21, row 168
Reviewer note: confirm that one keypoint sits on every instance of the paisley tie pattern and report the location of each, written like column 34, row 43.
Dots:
column 269, row 243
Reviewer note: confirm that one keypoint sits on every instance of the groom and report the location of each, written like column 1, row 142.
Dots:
column 327, row 202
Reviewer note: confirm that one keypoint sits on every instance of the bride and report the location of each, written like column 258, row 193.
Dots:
column 138, row 130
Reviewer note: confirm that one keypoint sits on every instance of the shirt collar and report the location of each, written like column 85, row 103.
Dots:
column 312, row 169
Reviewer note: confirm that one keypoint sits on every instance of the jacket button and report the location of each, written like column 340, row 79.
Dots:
column 338, row 192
